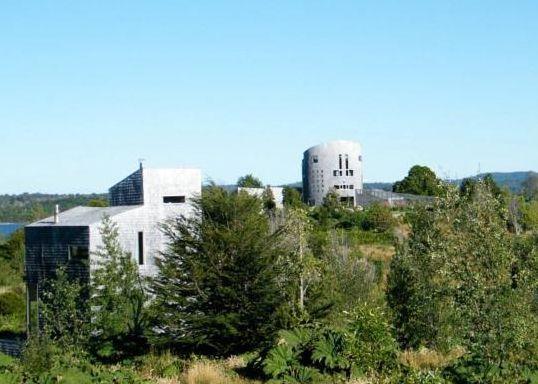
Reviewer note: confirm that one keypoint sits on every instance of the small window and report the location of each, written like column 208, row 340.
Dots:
column 336, row 187
column 335, row 173
column 351, row 186
column 360, row 157
column 140, row 248
column 314, row 159
column 350, row 171
column 173, row 199
column 77, row 252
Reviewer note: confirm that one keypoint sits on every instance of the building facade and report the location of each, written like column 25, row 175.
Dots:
column 337, row 166
column 139, row 204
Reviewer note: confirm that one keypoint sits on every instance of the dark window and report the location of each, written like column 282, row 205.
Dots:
column 336, row 187
column 350, row 171
column 360, row 157
column 140, row 248
column 340, row 173
column 173, row 199
column 314, row 159
column 349, row 200
column 347, row 162
column 335, row 172
column 351, row 186
column 340, row 161
column 77, row 252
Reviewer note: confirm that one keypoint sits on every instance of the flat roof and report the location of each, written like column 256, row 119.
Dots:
column 82, row 216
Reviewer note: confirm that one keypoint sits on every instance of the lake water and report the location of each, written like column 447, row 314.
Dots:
column 7, row 229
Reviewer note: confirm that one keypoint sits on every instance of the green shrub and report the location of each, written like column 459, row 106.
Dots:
column 378, row 218
column 10, row 303
column 314, row 353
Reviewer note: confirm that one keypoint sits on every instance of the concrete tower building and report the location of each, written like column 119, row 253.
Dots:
column 336, row 165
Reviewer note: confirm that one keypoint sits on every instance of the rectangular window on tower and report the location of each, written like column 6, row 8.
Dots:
column 173, row 199
column 140, row 248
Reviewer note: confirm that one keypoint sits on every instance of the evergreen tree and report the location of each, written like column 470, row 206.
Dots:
column 118, row 297
column 269, row 203
column 217, row 288
column 64, row 311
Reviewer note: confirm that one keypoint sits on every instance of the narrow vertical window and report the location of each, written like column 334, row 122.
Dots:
column 140, row 248
column 340, row 161
column 347, row 162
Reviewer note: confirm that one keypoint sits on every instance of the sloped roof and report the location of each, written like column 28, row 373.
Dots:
column 82, row 216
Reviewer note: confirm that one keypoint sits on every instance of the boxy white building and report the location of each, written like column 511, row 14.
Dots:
column 139, row 204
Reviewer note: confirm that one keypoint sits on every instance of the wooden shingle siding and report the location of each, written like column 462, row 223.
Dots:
column 129, row 191
column 47, row 248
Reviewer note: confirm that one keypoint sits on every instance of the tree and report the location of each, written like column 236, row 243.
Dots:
column 217, row 289
column 97, row 203
column 118, row 297
column 269, row 203
column 530, row 187
column 421, row 180
column 292, row 197
column 379, row 218
column 457, row 282
column 64, row 311
column 301, row 266
column 249, row 181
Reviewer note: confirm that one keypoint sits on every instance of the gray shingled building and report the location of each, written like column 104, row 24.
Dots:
column 138, row 204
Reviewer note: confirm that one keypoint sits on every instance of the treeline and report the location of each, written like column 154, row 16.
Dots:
column 28, row 207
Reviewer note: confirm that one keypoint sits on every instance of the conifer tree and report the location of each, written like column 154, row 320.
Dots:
column 216, row 291
column 117, row 296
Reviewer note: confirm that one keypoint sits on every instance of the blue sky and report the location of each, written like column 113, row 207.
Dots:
column 233, row 87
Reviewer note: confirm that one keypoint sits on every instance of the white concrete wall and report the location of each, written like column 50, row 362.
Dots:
column 147, row 218
column 277, row 194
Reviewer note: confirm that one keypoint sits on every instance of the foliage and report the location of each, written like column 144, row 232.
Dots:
column 268, row 198
column 28, row 207
column 12, row 259
column 530, row 187
column 98, row 202
column 378, row 218
column 217, row 289
column 249, row 181
column 10, row 303
column 64, row 311
column 529, row 213
column 292, row 197
column 118, row 298
column 458, row 282
column 302, row 269
column 421, row 180
column 313, row 353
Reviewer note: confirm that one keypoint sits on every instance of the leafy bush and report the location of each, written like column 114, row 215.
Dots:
column 313, row 353
column 10, row 303
column 378, row 218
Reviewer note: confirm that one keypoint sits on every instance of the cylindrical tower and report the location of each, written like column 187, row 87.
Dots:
column 335, row 165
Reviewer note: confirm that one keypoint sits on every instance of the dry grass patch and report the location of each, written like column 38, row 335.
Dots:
column 429, row 359
column 377, row 252
column 211, row 372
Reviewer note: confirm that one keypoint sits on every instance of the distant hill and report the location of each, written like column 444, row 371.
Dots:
column 511, row 180
column 28, row 207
